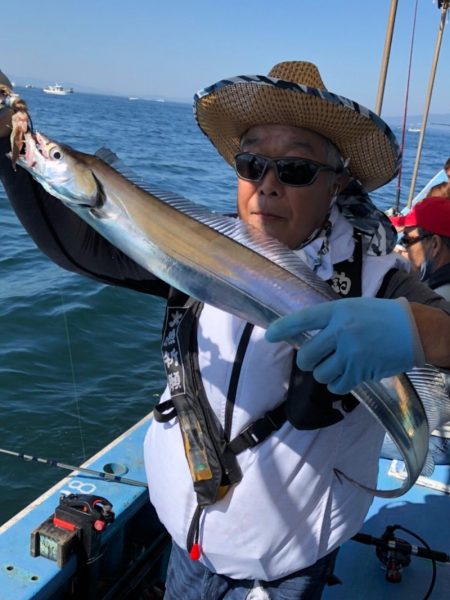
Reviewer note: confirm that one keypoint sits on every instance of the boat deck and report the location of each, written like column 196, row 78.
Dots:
column 425, row 510
column 135, row 535
column 136, row 540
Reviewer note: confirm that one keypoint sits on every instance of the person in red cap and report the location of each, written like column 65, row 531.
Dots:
column 447, row 167
column 426, row 237
column 441, row 189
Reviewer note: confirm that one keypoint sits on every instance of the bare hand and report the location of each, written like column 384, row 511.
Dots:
column 16, row 107
column 5, row 113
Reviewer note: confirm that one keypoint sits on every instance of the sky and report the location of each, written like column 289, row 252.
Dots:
column 172, row 48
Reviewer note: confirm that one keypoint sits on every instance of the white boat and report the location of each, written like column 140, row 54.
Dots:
column 57, row 90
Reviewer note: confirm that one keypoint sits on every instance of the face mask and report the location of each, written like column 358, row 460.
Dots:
column 426, row 268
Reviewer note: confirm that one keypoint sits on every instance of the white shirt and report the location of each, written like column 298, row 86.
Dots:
column 290, row 509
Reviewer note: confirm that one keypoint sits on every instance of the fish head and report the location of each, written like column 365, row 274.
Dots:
column 62, row 171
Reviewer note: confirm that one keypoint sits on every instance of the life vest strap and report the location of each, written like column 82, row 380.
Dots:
column 160, row 413
column 259, row 430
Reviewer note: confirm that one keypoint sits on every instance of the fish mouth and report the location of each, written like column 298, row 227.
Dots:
column 34, row 148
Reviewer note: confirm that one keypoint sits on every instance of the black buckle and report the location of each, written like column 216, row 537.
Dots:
column 250, row 436
column 258, row 431
column 160, row 413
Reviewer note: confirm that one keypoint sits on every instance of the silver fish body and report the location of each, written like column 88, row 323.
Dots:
column 218, row 260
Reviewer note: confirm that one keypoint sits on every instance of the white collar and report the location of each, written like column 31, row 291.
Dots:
column 328, row 249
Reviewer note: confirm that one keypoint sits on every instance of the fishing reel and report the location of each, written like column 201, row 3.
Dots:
column 75, row 527
column 394, row 555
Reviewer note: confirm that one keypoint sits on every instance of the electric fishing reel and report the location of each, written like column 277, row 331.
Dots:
column 74, row 528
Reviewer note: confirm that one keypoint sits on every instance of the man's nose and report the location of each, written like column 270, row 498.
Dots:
column 269, row 184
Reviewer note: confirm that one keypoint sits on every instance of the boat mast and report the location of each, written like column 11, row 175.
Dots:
column 443, row 5
column 386, row 55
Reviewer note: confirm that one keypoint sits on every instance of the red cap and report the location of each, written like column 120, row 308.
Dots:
column 432, row 214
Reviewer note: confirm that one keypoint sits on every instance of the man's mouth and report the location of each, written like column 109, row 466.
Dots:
column 265, row 214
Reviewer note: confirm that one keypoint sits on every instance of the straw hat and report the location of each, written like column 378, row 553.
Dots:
column 294, row 94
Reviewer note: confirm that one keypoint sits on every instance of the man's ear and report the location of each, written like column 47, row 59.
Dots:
column 341, row 181
column 436, row 245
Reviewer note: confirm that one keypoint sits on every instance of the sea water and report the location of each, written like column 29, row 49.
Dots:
column 80, row 361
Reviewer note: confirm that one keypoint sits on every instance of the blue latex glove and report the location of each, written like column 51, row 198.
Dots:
column 359, row 339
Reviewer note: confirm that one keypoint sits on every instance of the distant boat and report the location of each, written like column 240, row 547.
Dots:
column 133, row 98
column 57, row 90
column 414, row 129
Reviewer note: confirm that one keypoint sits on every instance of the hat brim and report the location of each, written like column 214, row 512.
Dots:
column 227, row 109
column 398, row 221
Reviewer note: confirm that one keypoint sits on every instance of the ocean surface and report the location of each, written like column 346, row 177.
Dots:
column 79, row 361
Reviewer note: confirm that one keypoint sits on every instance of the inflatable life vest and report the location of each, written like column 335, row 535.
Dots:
column 210, row 453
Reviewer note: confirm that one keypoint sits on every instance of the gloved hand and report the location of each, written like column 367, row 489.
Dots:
column 360, row 339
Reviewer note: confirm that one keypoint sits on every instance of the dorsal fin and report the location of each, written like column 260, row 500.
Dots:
column 231, row 227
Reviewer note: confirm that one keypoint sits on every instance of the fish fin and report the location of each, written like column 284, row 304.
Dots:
column 429, row 465
column 229, row 226
column 430, row 385
column 107, row 155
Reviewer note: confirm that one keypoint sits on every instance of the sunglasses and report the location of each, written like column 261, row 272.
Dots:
column 407, row 241
column 293, row 171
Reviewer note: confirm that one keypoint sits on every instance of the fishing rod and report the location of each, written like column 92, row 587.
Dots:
column 444, row 6
column 61, row 465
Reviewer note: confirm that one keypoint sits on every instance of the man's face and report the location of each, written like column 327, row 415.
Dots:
column 416, row 251
column 289, row 214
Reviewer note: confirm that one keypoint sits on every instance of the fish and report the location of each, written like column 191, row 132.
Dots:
column 221, row 261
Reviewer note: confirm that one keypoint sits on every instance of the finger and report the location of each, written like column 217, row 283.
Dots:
column 330, row 369
column 314, row 351
column 341, row 385
column 308, row 319
column 20, row 117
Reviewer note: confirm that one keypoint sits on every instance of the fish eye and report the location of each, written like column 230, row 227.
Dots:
column 55, row 153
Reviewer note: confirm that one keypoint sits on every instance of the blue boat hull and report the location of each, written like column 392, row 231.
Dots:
column 135, row 544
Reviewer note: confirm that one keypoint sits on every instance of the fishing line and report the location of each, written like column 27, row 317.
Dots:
column 72, row 369
column 402, row 145
column 56, row 463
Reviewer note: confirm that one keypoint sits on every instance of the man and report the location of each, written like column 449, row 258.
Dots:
column 274, row 519
column 426, row 237
column 441, row 189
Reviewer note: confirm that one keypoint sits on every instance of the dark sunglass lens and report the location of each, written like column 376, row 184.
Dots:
column 295, row 172
column 250, row 166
